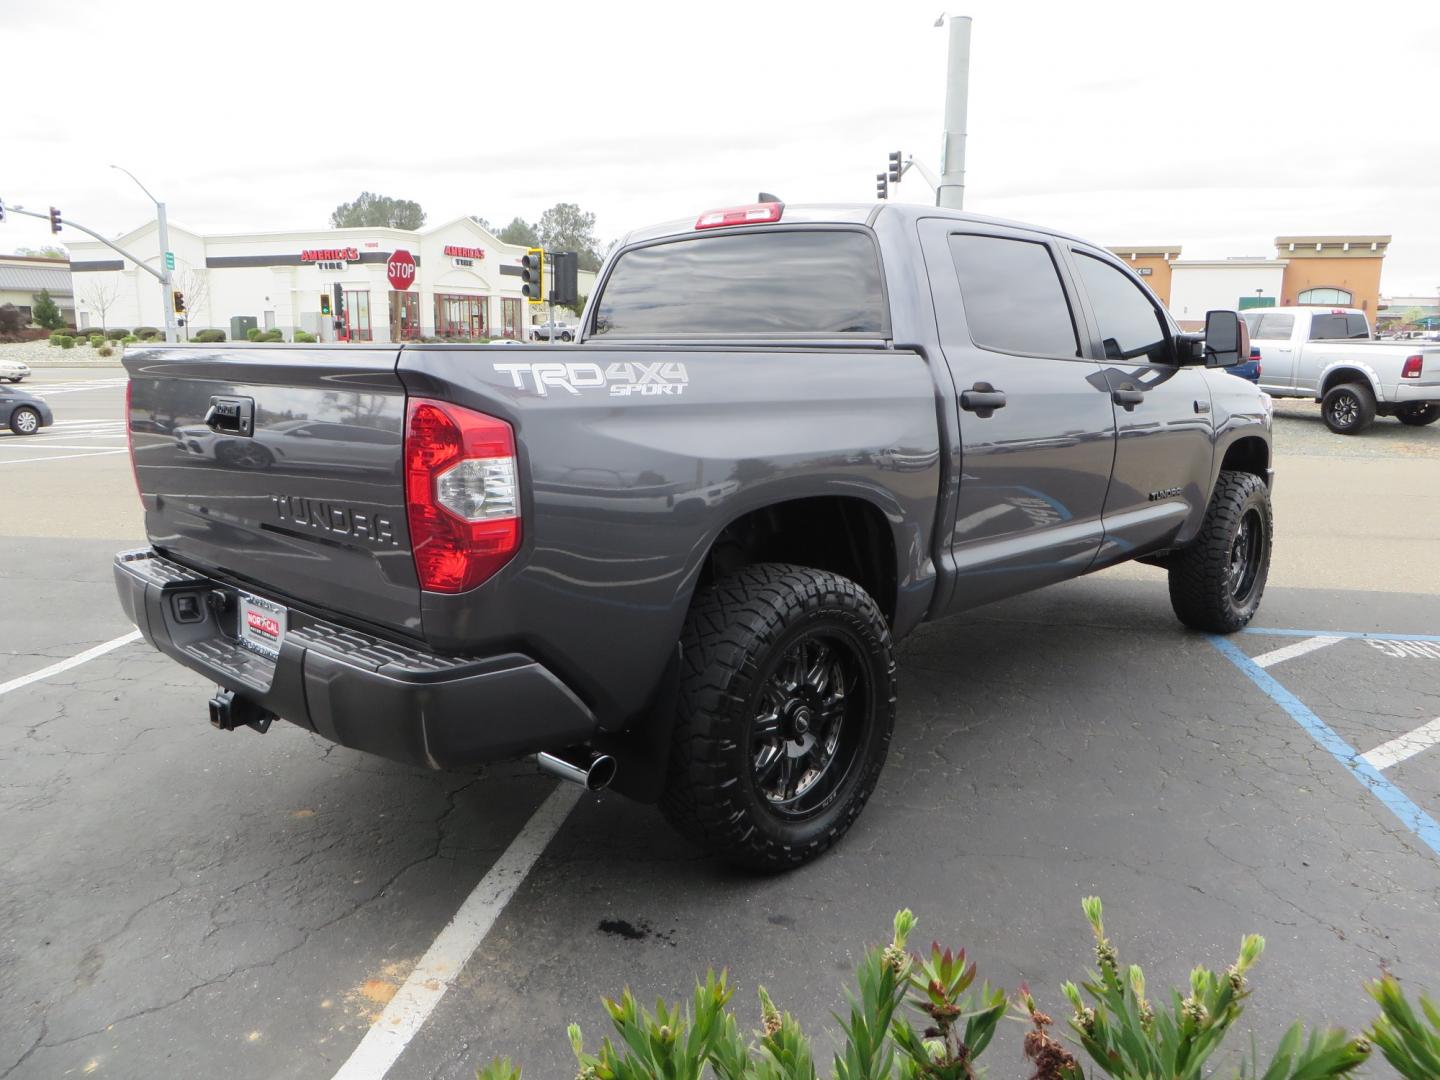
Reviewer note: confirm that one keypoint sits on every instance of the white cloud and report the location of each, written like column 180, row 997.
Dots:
column 1217, row 126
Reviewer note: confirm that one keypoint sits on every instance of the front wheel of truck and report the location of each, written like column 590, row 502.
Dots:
column 1216, row 583
column 787, row 702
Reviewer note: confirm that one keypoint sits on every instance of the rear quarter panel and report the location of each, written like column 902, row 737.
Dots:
column 633, row 461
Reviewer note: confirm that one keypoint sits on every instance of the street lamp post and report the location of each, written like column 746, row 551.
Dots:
column 167, row 283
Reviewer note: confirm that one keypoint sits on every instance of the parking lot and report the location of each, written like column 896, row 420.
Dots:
column 178, row 901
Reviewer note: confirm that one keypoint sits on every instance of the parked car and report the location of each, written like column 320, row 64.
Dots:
column 22, row 413
column 563, row 332
column 1251, row 368
column 678, row 555
column 1327, row 354
column 13, row 370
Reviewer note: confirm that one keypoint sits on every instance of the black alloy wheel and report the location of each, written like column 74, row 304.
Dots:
column 1418, row 414
column 806, row 732
column 1246, row 556
column 787, row 704
column 1348, row 409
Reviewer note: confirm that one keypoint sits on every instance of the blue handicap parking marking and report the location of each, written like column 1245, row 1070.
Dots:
column 1354, row 761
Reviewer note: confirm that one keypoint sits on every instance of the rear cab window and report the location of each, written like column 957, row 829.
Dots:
column 1333, row 326
column 770, row 282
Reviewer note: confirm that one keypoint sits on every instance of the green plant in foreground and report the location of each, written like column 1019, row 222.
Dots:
column 1409, row 1043
column 1123, row 1032
column 1128, row 1038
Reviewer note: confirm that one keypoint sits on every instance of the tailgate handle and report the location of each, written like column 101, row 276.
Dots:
column 232, row 415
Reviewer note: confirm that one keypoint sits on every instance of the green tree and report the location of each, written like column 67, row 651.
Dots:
column 521, row 232
column 483, row 222
column 49, row 251
column 376, row 210
column 46, row 312
column 565, row 227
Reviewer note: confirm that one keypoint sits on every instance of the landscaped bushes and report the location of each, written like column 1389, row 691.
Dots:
column 1126, row 1034
column 253, row 334
column 66, row 341
column 304, row 338
column 116, row 334
column 209, row 337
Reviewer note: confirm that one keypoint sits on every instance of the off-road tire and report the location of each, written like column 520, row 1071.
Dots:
column 1202, row 589
column 1418, row 414
column 1348, row 409
column 25, row 421
column 737, row 632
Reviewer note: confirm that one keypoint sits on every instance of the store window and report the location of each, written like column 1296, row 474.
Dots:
column 404, row 316
column 357, row 314
column 462, row 316
column 1339, row 297
column 510, row 313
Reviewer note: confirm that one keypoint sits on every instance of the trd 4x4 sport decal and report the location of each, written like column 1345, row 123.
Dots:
column 630, row 378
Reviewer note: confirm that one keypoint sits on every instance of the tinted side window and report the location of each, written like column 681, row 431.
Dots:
column 1275, row 328
column 772, row 282
column 1327, row 327
column 1357, row 325
column 1130, row 325
column 1012, row 295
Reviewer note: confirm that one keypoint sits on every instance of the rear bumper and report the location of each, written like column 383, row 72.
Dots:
column 1407, row 392
column 350, row 687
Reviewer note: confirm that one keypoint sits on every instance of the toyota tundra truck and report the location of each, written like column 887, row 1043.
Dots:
column 677, row 555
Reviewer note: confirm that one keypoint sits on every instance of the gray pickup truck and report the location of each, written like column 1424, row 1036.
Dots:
column 677, row 555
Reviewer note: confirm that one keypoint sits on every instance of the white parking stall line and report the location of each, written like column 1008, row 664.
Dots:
column 1405, row 746
column 1289, row 652
column 15, row 444
column 60, row 457
column 446, row 958
column 72, row 662
column 46, row 389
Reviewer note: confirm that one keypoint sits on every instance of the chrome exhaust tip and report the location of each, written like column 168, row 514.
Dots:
column 580, row 765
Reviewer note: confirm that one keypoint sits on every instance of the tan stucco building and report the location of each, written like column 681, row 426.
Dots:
column 1343, row 271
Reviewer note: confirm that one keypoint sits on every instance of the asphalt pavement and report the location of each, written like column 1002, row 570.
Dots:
column 177, row 901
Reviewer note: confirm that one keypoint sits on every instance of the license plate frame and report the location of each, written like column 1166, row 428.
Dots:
column 262, row 624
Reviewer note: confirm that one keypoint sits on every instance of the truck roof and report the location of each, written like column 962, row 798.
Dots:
column 1303, row 309
column 841, row 214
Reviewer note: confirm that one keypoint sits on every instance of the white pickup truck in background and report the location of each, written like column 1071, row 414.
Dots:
column 1327, row 354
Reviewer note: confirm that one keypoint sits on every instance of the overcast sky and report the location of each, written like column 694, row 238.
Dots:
column 1213, row 125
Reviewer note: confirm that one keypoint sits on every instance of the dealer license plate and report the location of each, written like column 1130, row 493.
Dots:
column 262, row 625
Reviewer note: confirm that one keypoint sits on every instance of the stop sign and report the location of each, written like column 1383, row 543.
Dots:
column 400, row 269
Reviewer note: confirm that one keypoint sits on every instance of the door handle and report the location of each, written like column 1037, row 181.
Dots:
column 982, row 399
column 1127, row 396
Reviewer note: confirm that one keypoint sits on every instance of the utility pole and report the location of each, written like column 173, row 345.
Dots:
column 951, row 192
column 167, row 282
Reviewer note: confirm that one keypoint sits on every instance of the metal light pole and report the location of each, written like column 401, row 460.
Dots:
column 951, row 191
column 167, row 283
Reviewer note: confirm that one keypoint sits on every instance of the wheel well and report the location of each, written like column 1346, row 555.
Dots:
column 846, row 536
column 1251, row 455
column 1344, row 375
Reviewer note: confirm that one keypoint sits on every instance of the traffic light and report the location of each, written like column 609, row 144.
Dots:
column 896, row 165
column 882, row 186
column 179, row 302
column 564, row 278
column 55, row 221
column 532, row 273
column 324, row 303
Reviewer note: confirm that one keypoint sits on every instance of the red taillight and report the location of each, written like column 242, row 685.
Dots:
column 1413, row 366
column 756, row 214
column 130, row 437
column 461, row 494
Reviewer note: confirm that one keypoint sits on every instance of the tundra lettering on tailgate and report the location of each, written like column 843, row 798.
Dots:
column 335, row 518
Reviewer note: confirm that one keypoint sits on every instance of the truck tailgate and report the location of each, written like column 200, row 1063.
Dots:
column 281, row 469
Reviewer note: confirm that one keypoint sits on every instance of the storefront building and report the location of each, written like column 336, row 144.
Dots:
column 22, row 277
column 451, row 281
